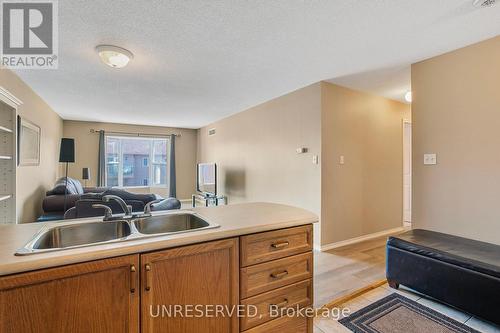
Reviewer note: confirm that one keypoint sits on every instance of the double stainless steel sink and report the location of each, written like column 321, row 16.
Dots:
column 75, row 235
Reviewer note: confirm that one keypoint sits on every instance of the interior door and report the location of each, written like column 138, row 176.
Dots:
column 407, row 171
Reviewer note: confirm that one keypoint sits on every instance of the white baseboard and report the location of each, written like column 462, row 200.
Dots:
column 355, row 240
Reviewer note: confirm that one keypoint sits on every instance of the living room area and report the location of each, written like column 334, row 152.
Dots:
column 141, row 163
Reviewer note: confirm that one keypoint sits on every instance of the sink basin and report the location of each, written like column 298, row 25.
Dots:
column 172, row 223
column 76, row 235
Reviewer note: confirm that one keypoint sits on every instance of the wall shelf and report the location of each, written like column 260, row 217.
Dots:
column 8, row 156
column 5, row 129
column 5, row 197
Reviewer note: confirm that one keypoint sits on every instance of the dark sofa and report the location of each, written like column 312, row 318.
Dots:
column 79, row 201
column 460, row 272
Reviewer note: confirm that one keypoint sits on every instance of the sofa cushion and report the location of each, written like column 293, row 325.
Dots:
column 83, row 208
column 166, row 204
column 125, row 195
column 467, row 253
column 74, row 187
column 55, row 203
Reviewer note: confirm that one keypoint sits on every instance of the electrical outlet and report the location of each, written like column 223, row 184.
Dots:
column 341, row 160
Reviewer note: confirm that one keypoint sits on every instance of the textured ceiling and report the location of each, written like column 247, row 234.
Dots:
column 199, row 61
column 392, row 83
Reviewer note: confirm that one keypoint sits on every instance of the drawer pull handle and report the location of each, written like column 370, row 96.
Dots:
column 279, row 275
column 148, row 277
column 281, row 304
column 133, row 281
column 280, row 245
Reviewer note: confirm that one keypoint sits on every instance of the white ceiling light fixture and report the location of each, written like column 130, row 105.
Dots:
column 408, row 96
column 483, row 3
column 114, row 56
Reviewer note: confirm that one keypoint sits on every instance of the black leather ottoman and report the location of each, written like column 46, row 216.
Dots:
column 461, row 272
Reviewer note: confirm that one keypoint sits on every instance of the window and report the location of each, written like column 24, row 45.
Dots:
column 132, row 161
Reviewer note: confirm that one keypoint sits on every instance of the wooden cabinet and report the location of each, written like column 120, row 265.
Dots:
column 259, row 278
column 297, row 294
column 98, row 296
column 277, row 270
column 202, row 274
column 163, row 291
column 266, row 246
column 285, row 325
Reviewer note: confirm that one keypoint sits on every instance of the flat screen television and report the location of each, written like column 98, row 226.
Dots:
column 206, row 178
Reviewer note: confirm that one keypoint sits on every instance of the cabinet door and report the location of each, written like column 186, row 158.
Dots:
column 98, row 296
column 202, row 274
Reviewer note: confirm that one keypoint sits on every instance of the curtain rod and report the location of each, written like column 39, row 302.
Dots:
column 92, row 130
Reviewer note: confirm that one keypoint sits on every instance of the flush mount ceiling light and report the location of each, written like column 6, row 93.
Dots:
column 483, row 3
column 114, row 56
column 408, row 96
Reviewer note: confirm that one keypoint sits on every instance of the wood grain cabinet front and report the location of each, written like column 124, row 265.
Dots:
column 260, row 278
column 268, row 306
column 190, row 289
column 201, row 274
column 285, row 325
column 98, row 296
column 271, row 245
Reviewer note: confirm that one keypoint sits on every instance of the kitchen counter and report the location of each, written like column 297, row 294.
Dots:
column 234, row 220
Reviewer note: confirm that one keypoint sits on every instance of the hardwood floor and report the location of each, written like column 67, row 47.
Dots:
column 341, row 271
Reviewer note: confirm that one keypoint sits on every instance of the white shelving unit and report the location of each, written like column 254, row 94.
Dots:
column 5, row 129
column 5, row 197
column 8, row 156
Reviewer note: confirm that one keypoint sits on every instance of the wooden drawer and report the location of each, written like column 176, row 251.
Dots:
column 290, row 296
column 266, row 246
column 260, row 278
column 285, row 325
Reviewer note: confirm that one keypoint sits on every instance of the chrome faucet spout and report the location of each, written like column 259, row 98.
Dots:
column 127, row 209
column 108, row 213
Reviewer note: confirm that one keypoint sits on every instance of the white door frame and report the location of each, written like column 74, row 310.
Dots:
column 407, row 171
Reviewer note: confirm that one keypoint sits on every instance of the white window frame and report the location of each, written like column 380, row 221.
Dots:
column 150, row 160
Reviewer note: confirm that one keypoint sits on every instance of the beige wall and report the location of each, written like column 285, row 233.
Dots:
column 87, row 143
column 33, row 181
column 255, row 151
column 456, row 114
column 364, row 195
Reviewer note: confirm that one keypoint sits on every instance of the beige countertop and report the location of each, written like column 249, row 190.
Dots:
column 234, row 220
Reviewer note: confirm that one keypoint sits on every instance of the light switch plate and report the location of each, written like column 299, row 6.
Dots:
column 301, row 150
column 315, row 159
column 430, row 159
column 341, row 159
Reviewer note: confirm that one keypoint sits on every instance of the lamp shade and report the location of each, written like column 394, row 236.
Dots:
column 67, row 152
column 85, row 173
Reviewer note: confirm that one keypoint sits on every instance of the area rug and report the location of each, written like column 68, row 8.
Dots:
column 398, row 314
